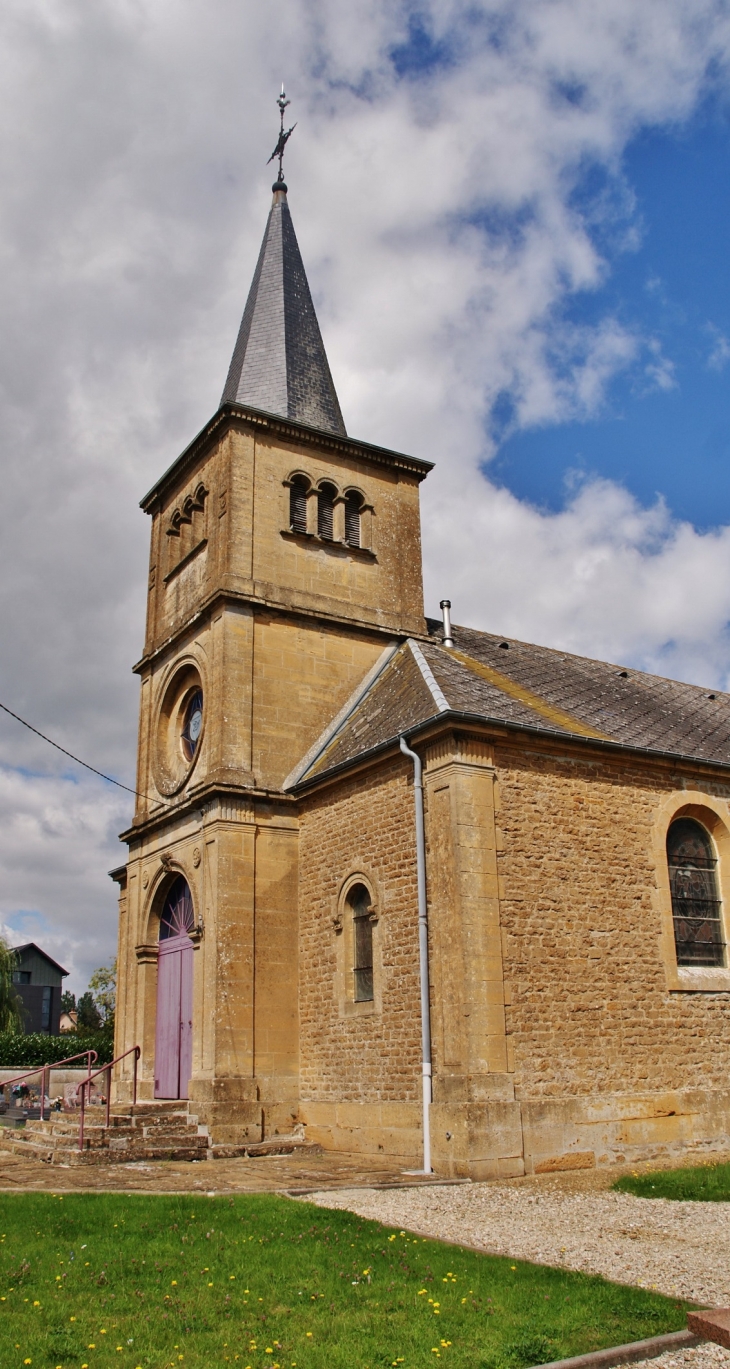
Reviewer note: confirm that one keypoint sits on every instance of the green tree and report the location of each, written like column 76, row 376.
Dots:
column 103, row 984
column 89, row 1016
column 11, row 1008
column 68, row 1001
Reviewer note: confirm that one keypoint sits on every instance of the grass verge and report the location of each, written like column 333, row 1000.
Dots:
column 90, row 1281
column 698, row 1184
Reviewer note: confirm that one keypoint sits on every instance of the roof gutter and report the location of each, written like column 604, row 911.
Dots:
column 482, row 720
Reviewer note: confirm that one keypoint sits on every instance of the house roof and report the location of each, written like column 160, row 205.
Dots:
column 498, row 679
column 279, row 363
column 31, row 946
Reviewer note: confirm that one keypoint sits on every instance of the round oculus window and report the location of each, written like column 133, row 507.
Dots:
column 192, row 725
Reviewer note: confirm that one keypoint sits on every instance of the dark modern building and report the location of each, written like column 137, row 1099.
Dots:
column 37, row 980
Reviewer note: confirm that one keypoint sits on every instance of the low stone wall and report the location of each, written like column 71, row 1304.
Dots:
column 58, row 1079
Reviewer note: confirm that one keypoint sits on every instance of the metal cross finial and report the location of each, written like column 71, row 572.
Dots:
column 284, row 136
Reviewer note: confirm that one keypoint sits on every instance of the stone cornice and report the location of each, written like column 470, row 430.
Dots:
column 287, row 609
column 216, row 803
column 290, row 431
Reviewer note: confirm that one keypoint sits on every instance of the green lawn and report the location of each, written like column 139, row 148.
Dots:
column 701, row 1184
column 104, row 1280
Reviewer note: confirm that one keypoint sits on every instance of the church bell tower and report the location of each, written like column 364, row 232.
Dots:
column 285, row 559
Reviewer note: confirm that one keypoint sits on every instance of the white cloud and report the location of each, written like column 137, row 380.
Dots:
column 616, row 580
column 720, row 351
column 659, row 370
column 439, row 222
column 58, row 839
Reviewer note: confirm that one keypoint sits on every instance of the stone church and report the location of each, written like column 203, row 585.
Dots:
column 575, row 836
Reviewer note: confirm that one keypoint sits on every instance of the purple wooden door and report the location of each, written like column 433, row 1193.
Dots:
column 174, row 1025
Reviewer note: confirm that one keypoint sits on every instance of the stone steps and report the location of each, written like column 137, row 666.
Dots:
column 163, row 1130
column 143, row 1131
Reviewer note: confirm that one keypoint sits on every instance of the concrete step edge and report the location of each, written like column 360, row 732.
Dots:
column 627, row 1354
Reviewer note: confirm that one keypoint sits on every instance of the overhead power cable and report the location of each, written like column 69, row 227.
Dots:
column 71, row 756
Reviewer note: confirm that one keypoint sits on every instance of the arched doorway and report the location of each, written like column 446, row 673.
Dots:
column 174, row 1024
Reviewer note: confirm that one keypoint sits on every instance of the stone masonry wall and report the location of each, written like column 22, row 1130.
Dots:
column 588, row 1009
column 357, row 1052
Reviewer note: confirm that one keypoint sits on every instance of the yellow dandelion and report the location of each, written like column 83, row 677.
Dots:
column 174, row 1283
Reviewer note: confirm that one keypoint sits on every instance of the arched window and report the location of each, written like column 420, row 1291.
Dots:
column 298, row 504
column 352, row 519
column 362, row 940
column 177, row 915
column 326, row 511
column 695, row 903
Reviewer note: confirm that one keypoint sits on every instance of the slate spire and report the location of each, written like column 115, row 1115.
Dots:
column 279, row 363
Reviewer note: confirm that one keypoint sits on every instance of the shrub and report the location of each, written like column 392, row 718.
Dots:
column 23, row 1052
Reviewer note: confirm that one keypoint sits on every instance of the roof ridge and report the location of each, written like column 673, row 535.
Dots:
column 434, row 689
column 550, row 712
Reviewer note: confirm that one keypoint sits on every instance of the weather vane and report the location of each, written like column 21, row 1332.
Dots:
column 284, row 136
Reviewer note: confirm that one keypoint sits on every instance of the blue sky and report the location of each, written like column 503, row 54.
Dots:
column 673, row 288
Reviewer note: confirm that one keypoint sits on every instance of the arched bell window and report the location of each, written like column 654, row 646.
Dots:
column 326, row 511
column 177, row 918
column 362, row 941
column 298, row 504
column 353, row 504
column 696, row 907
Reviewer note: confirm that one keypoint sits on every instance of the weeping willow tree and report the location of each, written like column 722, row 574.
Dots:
column 11, row 1008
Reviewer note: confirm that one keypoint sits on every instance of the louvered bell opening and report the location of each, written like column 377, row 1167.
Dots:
column 352, row 520
column 696, row 907
column 298, row 506
column 326, row 512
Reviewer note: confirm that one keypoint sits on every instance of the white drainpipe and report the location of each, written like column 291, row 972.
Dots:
column 422, row 951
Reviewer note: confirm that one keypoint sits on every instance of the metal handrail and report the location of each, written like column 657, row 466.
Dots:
column 136, row 1051
column 45, row 1070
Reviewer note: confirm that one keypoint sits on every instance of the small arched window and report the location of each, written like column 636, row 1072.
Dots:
column 695, row 903
column 362, row 940
column 352, row 519
column 326, row 511
column 177, row 915
column 298, row 504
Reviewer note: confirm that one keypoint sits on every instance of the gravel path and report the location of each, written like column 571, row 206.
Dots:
column 681, row 1249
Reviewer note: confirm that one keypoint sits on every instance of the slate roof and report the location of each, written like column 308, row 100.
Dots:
column 31, row 946
column 499, row 679
column 279, row 363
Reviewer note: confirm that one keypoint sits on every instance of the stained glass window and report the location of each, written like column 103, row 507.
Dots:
column 359, row 901
column 695, row 903
column 192, row 725
column 177, row 915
